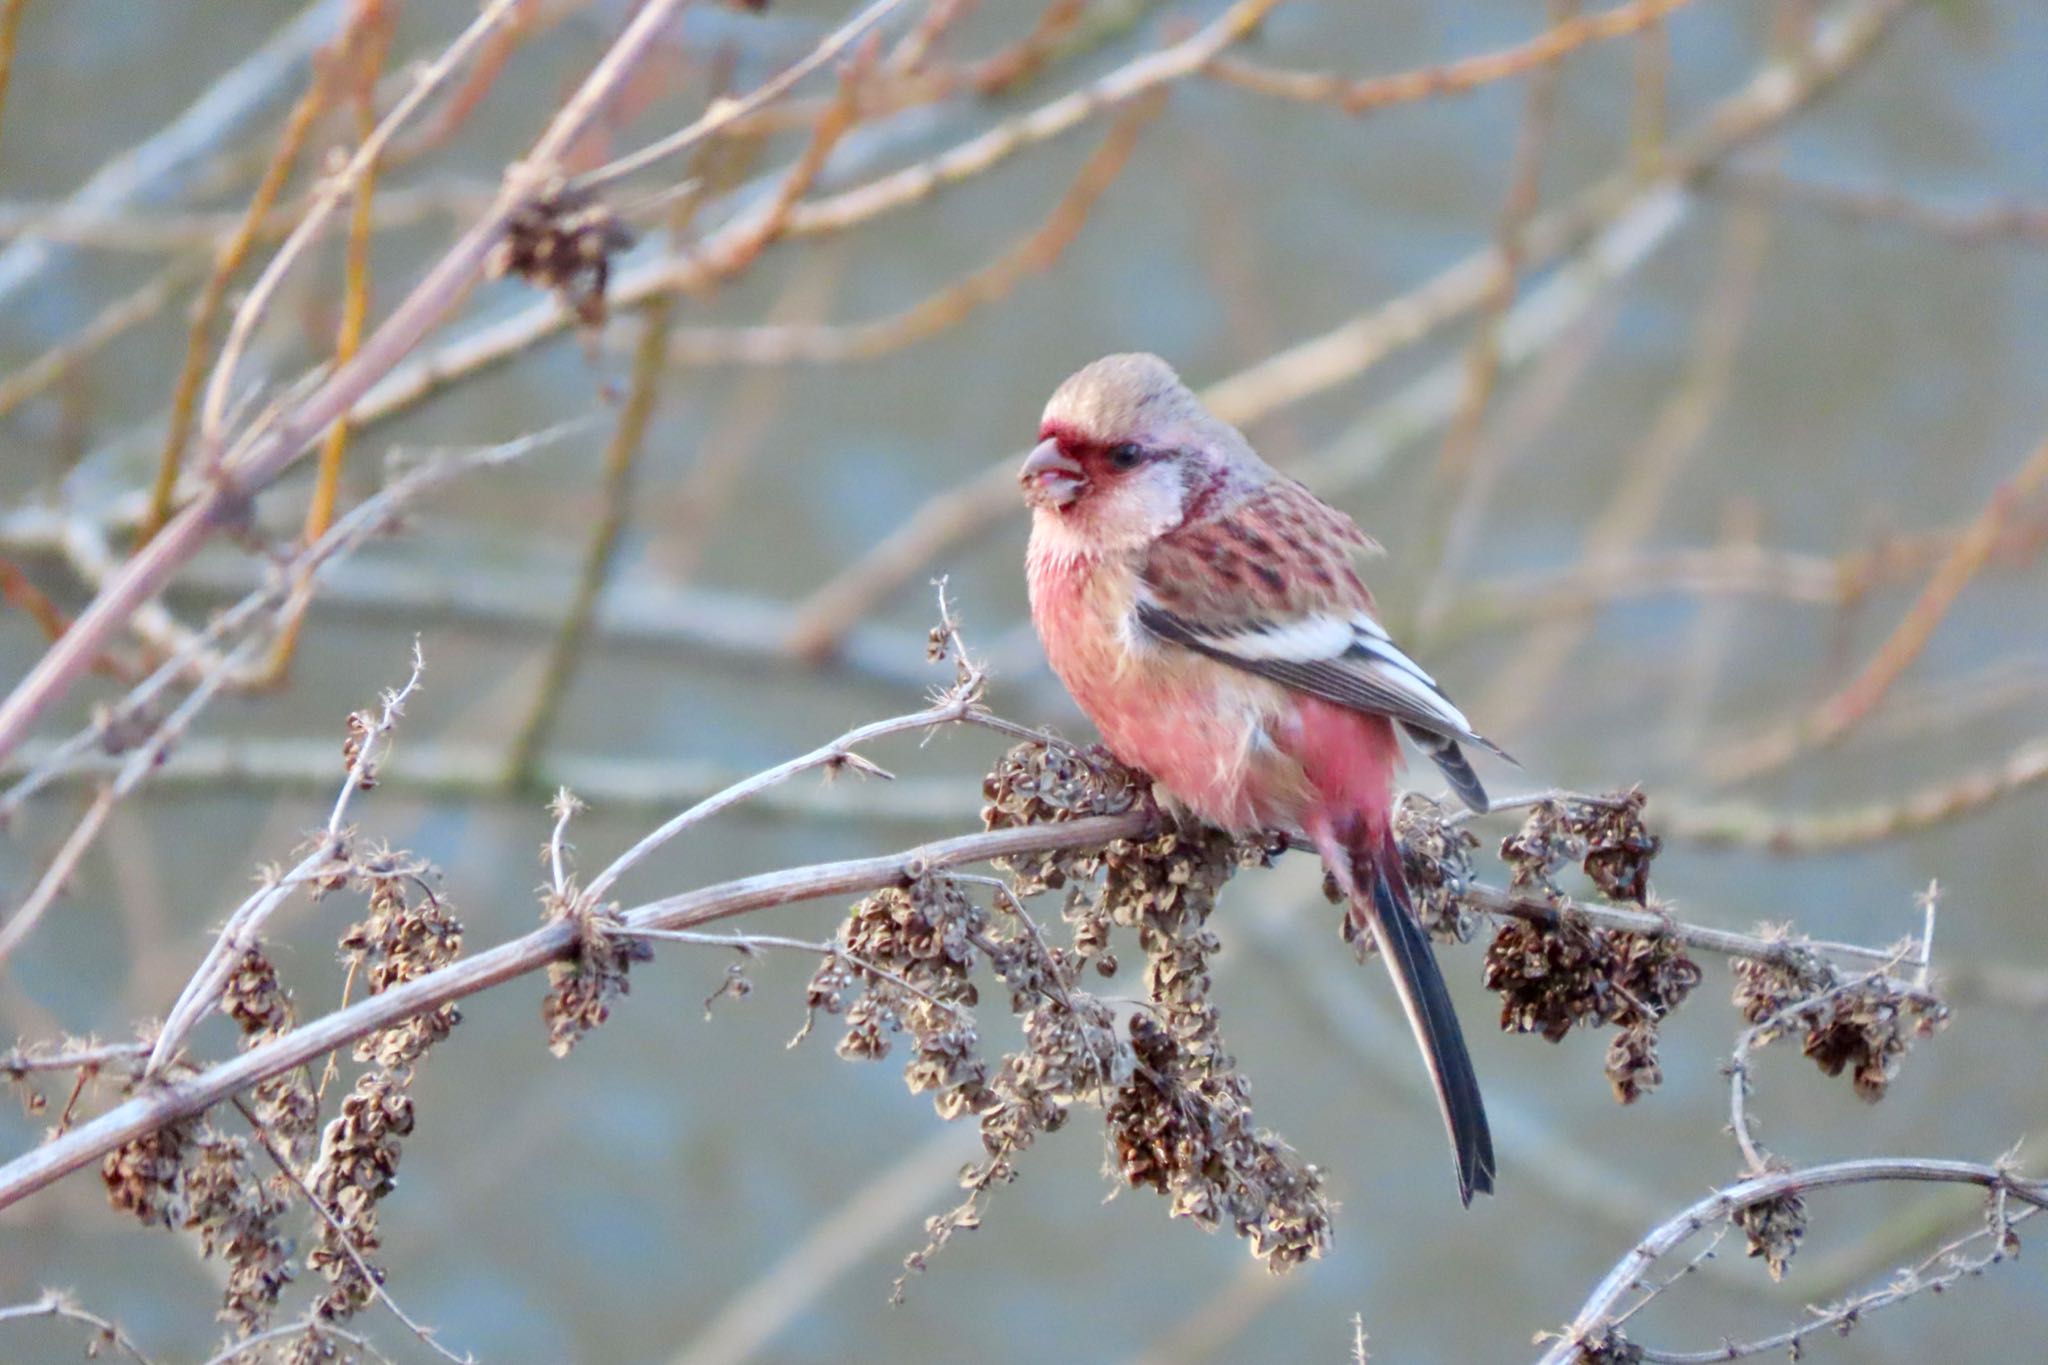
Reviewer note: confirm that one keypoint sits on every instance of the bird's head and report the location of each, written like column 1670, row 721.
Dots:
column 1126, row 452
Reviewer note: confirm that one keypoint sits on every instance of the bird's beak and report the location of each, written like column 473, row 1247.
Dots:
column 1050, row 479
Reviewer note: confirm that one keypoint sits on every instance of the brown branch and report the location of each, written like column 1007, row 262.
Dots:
column 1453, row 78
column 1827, row 723
column 827, row 343
column 968, row 159
column 227, row 262
column 372, row 36
column 10, row 30
column 623, row 452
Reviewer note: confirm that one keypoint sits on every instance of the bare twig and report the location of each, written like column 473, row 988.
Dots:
column 1588, row 1329
column 1827, row 723
column 54, row 1304
column 368, row 736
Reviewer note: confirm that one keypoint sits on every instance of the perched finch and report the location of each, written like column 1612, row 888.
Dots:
column 1204, row 612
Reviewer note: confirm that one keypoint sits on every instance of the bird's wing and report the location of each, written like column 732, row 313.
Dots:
column 1268, row 586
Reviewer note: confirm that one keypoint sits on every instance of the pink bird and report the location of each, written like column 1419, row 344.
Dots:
column 1204, row 611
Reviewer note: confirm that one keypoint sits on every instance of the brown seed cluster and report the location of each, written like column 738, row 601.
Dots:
column 144, row 1175
column 1436, row 859
column 262, row 1008
column 1862, row 1026
column 1177, row 1112
column 1609, row 1346
column 189, row 1175
column 236, row 1217
column 581, row 988
column 564, row 241
column 407, row 933
column 358, row 1166
column 1867, row 1030
column 1183, row 1123
column 1553, row 977
column 1605, row 835
column 1773, row 1229
column 1767, row 987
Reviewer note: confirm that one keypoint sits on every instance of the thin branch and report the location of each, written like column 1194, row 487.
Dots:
column 621, row 455
column 1825, row 724
column 111, row 323
column 723, row 113
column 1588, row 1327
column 1746, row 824
column 1452, row 78
column 54, row 1304
column 195, row 652
column 237, row 1353
column 368, row 737
column 1185, row 58
column 138, row 766
column 1963, row 225
column 345, row 1239
column 228, row 259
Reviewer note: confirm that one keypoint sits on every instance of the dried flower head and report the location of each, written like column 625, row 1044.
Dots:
column 1866, row 1030
column 1765, row 988
column 1604, row 834
column 1773, row 1229
column 564, row 240
column 358, row 1166
column 236, row 1215
column 1436, row 859
column 144, row 1176
column 1536, row 851
column 582, row 987
column 402, row 938
column 1618, row 846
column 1553, row 977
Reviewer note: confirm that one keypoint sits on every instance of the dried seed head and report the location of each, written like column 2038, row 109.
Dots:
column 1866, row 1031
column 1773, row 1228
column 1548, row 979
column 236, row 1215
column 1552, row 977
column 1436, row 859
column 564, row 241
column 1542, row 845
column 582, row 988
column 254, row 998
column 1766, row 988
column 358, row 1166
column 401, row 939
column 144, row 1176
column 1618, row 846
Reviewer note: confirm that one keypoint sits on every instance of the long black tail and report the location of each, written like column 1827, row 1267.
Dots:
column 1420, row 983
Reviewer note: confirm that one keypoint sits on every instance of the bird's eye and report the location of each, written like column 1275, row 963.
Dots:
column 1125, row 456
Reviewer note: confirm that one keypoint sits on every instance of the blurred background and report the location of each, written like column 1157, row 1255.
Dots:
column 1668, row 373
